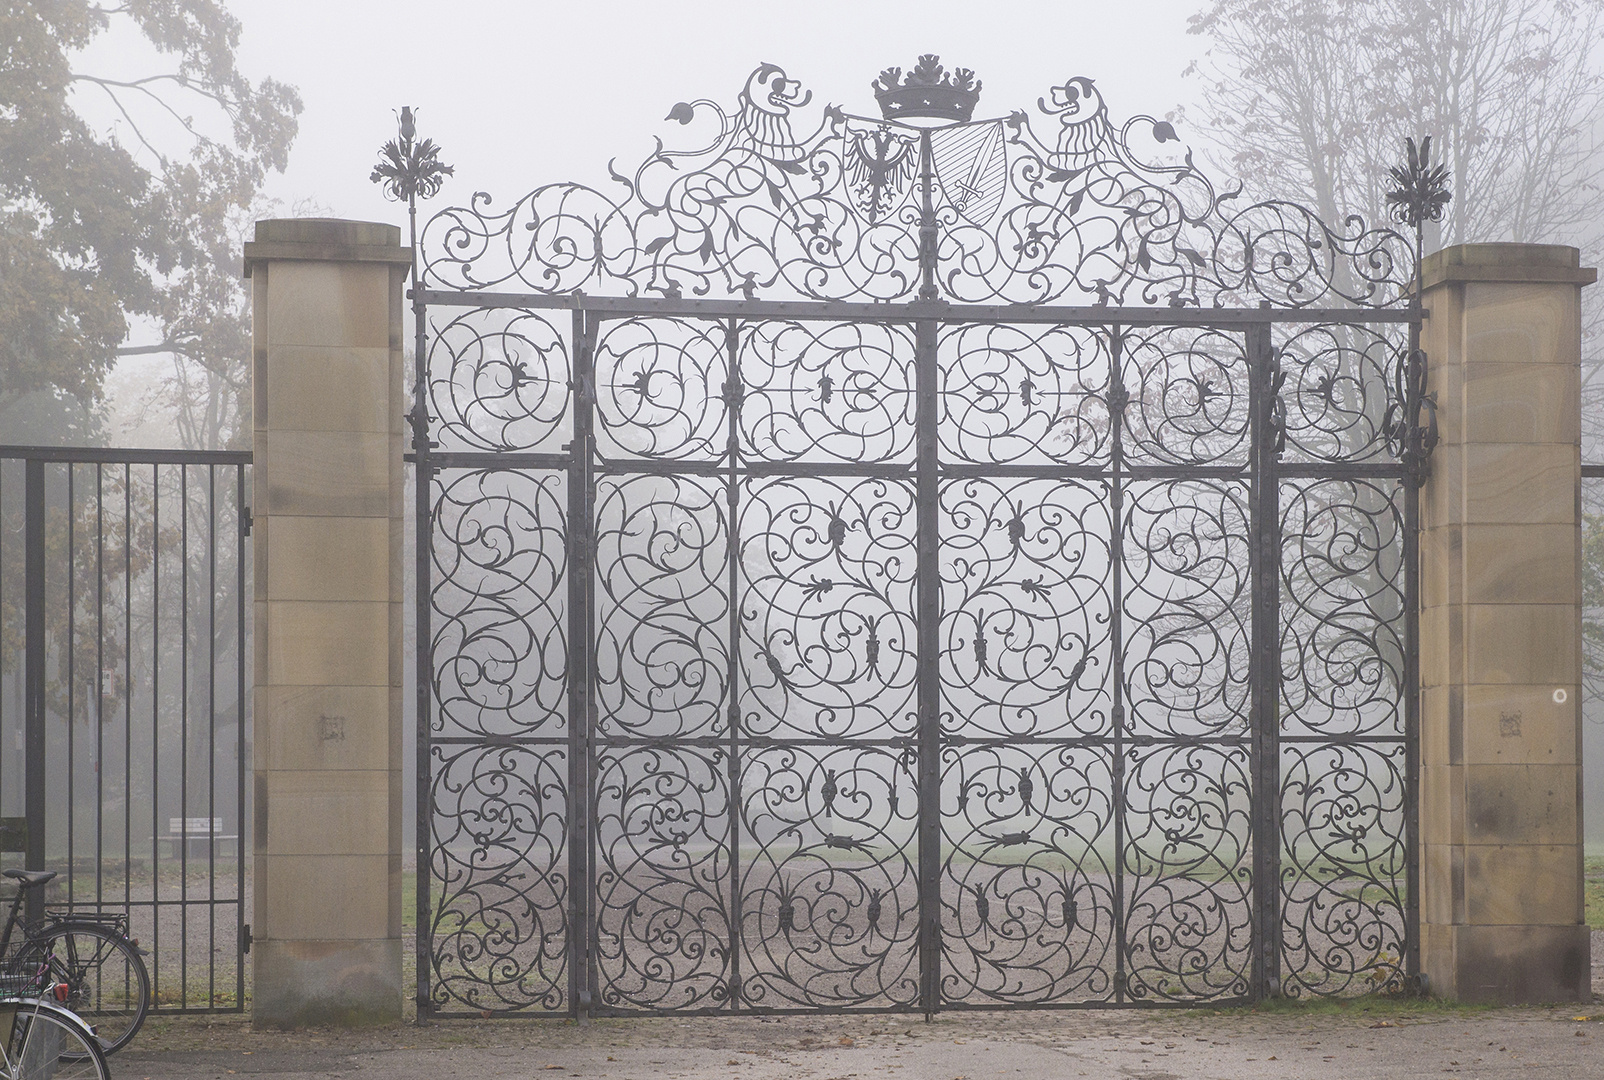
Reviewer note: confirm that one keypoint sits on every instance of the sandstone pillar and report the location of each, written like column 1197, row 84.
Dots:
column 1500, row 628
column 327, row 380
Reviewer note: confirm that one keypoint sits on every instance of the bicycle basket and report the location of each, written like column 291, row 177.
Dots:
column 24, row 973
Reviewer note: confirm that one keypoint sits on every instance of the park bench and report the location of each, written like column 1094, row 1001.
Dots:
column 193, row 832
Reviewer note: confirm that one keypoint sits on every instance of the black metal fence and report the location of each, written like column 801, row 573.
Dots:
column 124, row 709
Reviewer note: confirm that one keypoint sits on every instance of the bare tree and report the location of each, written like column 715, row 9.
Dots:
column 1311, row 99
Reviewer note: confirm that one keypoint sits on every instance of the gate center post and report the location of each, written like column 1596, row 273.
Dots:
column 1264, row 668
column 927, row 501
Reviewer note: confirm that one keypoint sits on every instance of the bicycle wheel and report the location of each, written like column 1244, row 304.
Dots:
column 107, row 982
column 43, row 1041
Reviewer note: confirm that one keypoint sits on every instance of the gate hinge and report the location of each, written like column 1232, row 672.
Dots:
column 245, row 938
column 245, row 521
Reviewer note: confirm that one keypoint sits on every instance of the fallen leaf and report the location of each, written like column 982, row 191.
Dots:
column 1270, row 1058
column 845, row 1040
column 732, row 1061
column 553, row 1066
column 1582, row 1019
column 1383, row 1023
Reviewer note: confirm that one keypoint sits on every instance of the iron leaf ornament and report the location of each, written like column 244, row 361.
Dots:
column 1422, row 192
column 410, row 169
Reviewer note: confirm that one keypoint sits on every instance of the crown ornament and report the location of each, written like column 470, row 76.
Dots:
column 927, row 92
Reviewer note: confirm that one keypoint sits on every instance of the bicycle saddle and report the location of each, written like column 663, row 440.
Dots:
column 30, row 878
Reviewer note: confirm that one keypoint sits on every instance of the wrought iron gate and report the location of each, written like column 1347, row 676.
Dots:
column 941, row 568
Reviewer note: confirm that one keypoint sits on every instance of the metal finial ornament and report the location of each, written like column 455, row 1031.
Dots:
column 410, row 169
column 1422, row 192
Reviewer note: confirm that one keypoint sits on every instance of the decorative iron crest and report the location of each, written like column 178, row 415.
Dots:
column 783, row 203
column 927, row 92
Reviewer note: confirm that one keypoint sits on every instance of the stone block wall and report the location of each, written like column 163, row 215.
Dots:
column 1500, row 663
column 328, row 533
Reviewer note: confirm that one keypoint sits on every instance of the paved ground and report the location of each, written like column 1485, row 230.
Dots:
column 1351, row 1043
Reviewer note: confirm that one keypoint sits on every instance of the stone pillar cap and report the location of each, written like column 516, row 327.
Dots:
column 1514, row 263
column 326, row 240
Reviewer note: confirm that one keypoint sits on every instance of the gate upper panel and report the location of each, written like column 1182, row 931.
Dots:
column 779, row 198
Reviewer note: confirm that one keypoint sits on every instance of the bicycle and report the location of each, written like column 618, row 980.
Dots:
column 43, row 1040
column 90, row 958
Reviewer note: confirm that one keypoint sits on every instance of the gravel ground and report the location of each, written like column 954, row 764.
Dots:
column 1325, row 1043
column 1328, row 1042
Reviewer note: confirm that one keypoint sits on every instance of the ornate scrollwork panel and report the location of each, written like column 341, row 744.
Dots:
column 829, row 890
column 660, row 388
column 1023, row 394
column 498, row 877
column 1342, row 606
column 662, row 877
column 1186, row 393
column 1187, row 606
column 498, row 380
column 1188, row 872
column 1338, row 388
column 1027, row 878
column 837, row 391
column 500, row 603
column 1025, row 608
column 1344, row 868
column 826, row 607
column 662, row 653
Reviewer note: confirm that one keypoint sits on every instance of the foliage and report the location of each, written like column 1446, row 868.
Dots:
column 135, row 217
column 1316, row 96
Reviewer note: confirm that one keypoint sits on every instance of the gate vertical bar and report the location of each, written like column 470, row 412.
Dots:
column 1264, row 663
column 927, row 498
column 928, row 616
column 34, row 675
column 1118, row 396
column 1414, row 480
column 733, row 393
column 580, row 554
column 423, row 554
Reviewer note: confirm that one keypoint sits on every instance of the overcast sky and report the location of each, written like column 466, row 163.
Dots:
column 521, row 94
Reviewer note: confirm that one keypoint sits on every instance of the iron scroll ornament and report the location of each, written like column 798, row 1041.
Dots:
column 781, row 202
column 1420, row 193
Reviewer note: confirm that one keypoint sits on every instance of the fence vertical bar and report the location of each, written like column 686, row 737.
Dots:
column 211, row 732
column 100, row 688
column 183, row 733
column 243, row 513
column 72, row 700
column 1264, row 660
column 34, row 674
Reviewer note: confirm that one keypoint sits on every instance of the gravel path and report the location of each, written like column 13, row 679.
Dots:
column 1326, row 1043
